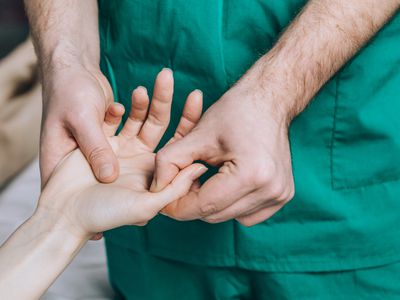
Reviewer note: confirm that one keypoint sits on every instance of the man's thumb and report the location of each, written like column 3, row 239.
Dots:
column 95, row 146
column 173, row 158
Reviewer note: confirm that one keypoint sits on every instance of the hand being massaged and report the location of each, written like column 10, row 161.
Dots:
column 73, row 192
column 74, row 206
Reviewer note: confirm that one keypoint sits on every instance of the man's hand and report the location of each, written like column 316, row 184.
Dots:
column 245, row 132
column 247, row 137
column 75, row 100
column 75, row 93
column 74, row 195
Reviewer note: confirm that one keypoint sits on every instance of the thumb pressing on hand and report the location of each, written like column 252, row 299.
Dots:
column 173, row 158
column 95, row 146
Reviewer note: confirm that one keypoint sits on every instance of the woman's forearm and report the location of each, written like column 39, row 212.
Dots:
column 64, row 32
column 34, row 255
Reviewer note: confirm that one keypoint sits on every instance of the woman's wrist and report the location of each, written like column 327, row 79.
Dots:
column 57, row 220
column 56, row 231
column 43, row 245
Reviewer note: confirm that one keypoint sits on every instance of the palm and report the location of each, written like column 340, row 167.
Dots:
column 128, row 199
column 136, row 172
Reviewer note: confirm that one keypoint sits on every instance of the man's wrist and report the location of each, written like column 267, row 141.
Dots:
column 64, row 56
column 269, row 83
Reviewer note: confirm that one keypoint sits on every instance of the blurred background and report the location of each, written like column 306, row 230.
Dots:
column 20, row 113
column 13, row 25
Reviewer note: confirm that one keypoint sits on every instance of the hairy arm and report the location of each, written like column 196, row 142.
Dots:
column 64, row 32
column 255, row 178
column 75, row 92
column 324, row 36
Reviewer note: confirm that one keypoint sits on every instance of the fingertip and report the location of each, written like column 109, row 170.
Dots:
column 167, row 71
column 141, row 90
column 113, row 118
column 191, row 173
column 119, row 108
column 198, row 170
column 196, row 96
column 166, row 76
column 140, row 98
column 198, row 93
column 107, row 172
column 116, row 109
column 194, row 106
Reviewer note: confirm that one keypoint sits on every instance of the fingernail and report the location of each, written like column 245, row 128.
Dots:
column 106, row 171
column 167, row 69
column 141, row 88
column 199, row 171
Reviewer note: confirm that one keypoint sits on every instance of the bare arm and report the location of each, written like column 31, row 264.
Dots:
column 65, row 33
column 323, row 37
column 74, row 206
column 34, row 256
column 246, row 130
column 75, row 92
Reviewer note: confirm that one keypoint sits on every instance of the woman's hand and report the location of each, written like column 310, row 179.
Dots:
column 75, row 198
column 74, row 206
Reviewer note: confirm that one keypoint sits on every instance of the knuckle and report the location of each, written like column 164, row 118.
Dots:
column 258, row 177
column 249, row 178
column 289, row 194
column 97, row 153
column 207, row 209
column 266, row 174
column 276, row 190
column 75, row 118
column 158, row 120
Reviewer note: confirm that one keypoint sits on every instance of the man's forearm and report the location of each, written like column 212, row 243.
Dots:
column 64, row 32
column 324, row 36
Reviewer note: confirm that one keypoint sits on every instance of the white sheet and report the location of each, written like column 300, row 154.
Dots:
column 86, row 277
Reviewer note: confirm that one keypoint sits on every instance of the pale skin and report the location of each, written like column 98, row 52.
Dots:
column 74, row 206
column 252, row 152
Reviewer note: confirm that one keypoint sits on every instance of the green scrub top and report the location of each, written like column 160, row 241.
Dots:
column 345, row 145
